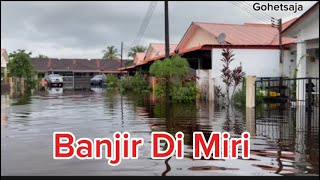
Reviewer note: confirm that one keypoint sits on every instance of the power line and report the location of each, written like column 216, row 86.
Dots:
column 262, row 18
column 260, row 12
column 145, row 23
column 250, row 11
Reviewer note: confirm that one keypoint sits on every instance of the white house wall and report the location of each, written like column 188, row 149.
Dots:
column 289, row 63
column 310, row 30
column 256, row 62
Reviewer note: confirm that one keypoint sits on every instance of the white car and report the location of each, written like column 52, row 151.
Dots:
column 54, row 80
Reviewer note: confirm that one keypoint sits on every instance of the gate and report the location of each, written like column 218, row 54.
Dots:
column 285, row 100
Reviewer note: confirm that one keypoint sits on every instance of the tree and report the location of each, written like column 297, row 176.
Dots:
column 110, row 53
column 42, row 56
column 230, row 77
column 20, row 66
column 172, row 72
column 226, row 72
column 237, row 77
column 169, row 68
column 135, row 49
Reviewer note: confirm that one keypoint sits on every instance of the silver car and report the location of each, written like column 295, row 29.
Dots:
column 99, row 80
column 54, row 80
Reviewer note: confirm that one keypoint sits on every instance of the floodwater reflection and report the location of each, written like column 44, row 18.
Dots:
column 280, row 143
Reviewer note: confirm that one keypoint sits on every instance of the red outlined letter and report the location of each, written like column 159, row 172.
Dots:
column 155, row 145
column 200, row 146
column 84, row 148
column 63, row 147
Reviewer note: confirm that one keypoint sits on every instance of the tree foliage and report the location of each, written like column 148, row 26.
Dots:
column 135, row 49
column 168, row 68
column 112, row 81
column 20, row 65
column 174, row 70
column 110, row 52
column 230, row 77
column 136, row 84
column 42, row 56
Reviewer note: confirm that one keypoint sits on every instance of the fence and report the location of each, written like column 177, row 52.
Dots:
column 283, row 98
column 76, row 82
column 295, row 91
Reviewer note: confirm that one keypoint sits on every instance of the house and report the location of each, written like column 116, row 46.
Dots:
column 75, row 70
column 156, row 50
column 4, row 63
column 80, row 67
column 139, row 57
column 256, row 48
column 143, row 61
column 306, row 31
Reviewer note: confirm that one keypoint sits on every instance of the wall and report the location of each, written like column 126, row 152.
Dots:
column 205, row 83
column 196, row 37
column 310, row 29
column 256, row 62
column 289, row 63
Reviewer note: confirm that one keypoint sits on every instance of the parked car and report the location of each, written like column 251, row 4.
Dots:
column 99, row 80
column 54, row 80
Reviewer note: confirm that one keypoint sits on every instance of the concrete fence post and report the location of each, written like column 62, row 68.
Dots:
column 250, row 91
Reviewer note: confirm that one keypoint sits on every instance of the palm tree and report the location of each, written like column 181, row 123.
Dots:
column 110, row 52
column 138, row 48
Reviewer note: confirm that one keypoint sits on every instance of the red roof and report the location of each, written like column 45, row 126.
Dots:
column 76, row 65
column 160, row 48
column 139, row 57
column 245, row 34
column 248, row 34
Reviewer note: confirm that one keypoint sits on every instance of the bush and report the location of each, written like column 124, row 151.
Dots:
column 136, row 84
column 184, row 93
column 180, row 93
column 112, row 81
column 239, row 97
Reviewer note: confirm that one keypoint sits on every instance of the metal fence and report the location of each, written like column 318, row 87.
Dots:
column 283, row 90
column 76, row 82
column 285, row 100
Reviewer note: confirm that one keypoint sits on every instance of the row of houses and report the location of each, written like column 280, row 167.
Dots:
column 256, row 47
column 76, row 67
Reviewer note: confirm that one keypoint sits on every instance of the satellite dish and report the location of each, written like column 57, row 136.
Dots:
column 221, row 38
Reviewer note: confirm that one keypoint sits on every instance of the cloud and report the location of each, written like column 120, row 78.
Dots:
column 83, row 29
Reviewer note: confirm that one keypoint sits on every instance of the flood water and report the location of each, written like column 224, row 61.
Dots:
column 280, row 145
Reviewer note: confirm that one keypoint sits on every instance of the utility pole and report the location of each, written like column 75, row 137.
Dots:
column 278, row 24
column 166, row 26
column 166, row 31
column 121, row 57
column 280, row 40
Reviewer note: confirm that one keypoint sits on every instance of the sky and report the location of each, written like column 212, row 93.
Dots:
column 83, row 29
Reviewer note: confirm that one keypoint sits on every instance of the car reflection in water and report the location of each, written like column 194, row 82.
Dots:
column 98, row 89
column 54, row 90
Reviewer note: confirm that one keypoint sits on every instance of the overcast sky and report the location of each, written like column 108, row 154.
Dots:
column 84, row 29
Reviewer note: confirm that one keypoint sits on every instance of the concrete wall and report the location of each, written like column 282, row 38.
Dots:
column 255, row 62
column 310, row 29
column 205, row 83
column 289, row 63
column 196, row 37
